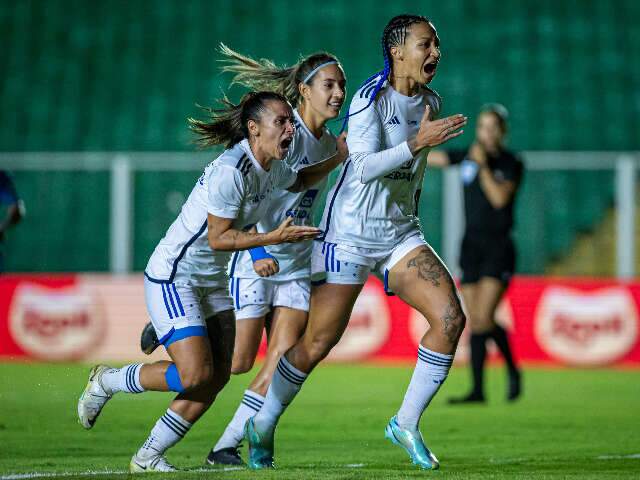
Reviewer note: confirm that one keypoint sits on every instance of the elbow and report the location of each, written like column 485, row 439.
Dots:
column 499, row 202
column 217, row 244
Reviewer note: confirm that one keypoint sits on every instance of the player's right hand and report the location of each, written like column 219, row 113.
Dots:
column 289, row 233
column 436, row 132
column 265, row 267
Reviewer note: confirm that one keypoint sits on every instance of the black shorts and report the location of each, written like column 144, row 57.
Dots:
column 484, row 255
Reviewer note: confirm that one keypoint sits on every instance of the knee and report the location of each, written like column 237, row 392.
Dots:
column 319, row 346
column 242, row 365
column 196, row 378
column 453, row 321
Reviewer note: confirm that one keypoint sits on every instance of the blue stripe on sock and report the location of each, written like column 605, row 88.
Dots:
column 251, row 406
column 171, row 427
column 176, row 423
column 173, row 285
column 287, row 376
column 127, row 378
column 252, row 401
column 425, row 357
column 166, row 304
column 131, row 383
column 435, row 355
column 290, row 372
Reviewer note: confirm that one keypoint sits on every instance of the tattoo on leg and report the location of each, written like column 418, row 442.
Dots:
column 453, row 318
column 429, row 267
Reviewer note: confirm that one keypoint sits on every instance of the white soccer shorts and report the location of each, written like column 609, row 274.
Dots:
column 255, row 297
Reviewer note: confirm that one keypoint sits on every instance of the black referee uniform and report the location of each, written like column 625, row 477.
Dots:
column 487, row 247
column 488, row 251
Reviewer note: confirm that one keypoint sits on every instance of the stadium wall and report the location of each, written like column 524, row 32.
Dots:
column 554, row 321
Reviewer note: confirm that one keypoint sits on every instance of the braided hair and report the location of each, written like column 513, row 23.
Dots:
column 394, row 34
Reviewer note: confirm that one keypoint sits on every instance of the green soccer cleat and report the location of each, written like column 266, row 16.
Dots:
column 413, row 443
column 260, row 447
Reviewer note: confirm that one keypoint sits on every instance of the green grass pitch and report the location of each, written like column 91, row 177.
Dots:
column 569, row 424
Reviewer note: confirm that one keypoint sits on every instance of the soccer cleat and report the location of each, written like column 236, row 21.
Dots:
column 93, row 398
column 225, row 456
column 413, row 443
column 148, row 339
column 473, row 397
column 260, row 448
column 154, row 463
column 515, row 385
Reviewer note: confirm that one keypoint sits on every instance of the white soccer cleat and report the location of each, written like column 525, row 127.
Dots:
column 154, row 463
column 93, row 398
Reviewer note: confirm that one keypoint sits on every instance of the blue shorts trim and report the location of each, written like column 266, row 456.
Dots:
column 182, row 333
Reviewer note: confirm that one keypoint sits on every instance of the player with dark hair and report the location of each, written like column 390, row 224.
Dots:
column 186, row 285
column 370, row 225
column 491, row 175
column 275, row 282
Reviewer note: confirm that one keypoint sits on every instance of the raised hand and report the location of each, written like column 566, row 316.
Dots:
column 289, row 233
column 436, row 132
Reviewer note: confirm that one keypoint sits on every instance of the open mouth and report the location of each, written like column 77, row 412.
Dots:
column 284, row 144
column 430, row 68
column 337, row 105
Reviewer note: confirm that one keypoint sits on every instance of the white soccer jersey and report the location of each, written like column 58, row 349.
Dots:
column 232, row 186
column 293, row 258
column 382, row 211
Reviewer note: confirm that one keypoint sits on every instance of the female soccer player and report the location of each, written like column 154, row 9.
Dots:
column 491, row 176
column 370, row 225
column 185, row 280
column 316, row 87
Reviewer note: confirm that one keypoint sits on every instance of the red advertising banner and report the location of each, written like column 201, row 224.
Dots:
column 559, row 321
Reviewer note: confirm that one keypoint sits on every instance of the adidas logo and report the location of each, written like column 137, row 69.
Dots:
column 394, row 121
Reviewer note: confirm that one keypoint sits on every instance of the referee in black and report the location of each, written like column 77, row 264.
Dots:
column 491, row 175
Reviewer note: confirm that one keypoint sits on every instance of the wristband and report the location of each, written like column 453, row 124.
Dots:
column 260, row 253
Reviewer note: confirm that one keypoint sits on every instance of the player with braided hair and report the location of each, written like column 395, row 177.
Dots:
column 370, row 226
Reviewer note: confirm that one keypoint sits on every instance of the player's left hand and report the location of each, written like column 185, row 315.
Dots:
column 265, row 267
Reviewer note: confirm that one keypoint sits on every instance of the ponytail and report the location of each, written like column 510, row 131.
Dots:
column 229, row 125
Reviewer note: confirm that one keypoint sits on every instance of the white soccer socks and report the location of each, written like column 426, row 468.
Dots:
column 430, row 373
column 286, row 383
column 125, row 379
column 168, row 431
column 232, row 436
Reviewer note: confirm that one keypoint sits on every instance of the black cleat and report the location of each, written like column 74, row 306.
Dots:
column 225, row 456
column 148, row 339
column 471, row 398
column 515, row 385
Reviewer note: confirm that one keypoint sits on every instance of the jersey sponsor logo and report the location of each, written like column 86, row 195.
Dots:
column 303, row 210
column 399, row 175
column 394, row 121
column 594, row 327
column 56, row 323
